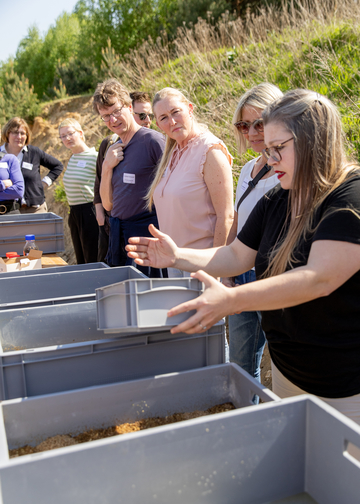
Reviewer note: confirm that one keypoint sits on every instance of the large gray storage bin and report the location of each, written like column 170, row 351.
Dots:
column 252, row 455
column 68, row 367
column 56, row 269
column 138, row 305
column 40, row 290
column 32, row 420
column 48, row 229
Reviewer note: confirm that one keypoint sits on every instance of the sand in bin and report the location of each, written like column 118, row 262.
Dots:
column 60, row 441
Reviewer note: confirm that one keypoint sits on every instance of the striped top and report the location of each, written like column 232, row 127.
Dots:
column 79, row 177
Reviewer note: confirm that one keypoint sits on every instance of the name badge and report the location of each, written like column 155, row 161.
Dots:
column 81, row 164
column 3, row 164
column 129, row 178
column 245, row 184
column 28, row 166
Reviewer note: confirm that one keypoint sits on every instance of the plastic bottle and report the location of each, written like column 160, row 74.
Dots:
column 29, row 244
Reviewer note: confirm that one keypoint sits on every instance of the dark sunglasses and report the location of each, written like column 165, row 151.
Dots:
column 274, row 152
column 244, row 127
column 143, row 116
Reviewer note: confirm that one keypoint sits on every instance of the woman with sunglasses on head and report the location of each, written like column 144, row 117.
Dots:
column 247, row 339
column 304, row 239
column 79, row 180
column 16, row 137
column 192, row 189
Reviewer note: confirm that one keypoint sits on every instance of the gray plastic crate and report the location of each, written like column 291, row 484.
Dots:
column 48, row 229
column 27, row 291
column 48, row 370
column 254, row 455
column 56, row 269
column 138, row 305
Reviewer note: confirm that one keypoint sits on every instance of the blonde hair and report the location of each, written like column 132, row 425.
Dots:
column 13, row 125
column 259, row 96
column 74, row 124
column 170, row 142
column 320, row 165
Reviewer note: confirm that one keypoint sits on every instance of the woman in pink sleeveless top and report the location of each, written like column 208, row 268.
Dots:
column 192, row 189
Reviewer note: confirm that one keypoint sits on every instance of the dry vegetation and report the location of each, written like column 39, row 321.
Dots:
column 312, row 44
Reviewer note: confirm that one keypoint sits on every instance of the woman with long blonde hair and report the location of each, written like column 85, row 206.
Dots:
column 192, row 188
column 304, row 239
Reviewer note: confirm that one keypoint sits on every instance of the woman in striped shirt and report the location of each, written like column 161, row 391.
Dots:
column 79, row 180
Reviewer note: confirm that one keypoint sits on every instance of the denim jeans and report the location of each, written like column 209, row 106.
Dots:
column 247, row 339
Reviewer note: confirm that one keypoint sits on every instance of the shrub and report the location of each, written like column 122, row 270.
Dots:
column 17, row 98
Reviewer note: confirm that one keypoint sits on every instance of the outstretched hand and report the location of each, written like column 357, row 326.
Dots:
column 157, row 252
column 214, row 304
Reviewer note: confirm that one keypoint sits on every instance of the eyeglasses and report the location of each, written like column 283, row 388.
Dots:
column 18, row 133
column 68, row 135
column 244, row 127
column 144, row 115
column 274, row 152
column 115, row 114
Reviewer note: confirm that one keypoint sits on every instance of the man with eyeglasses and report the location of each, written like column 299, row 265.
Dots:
column 142, row 110
column 125, row 168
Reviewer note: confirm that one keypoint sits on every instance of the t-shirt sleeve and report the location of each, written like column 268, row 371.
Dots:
column 251, row 232
column 157, row 147
column 341, row 214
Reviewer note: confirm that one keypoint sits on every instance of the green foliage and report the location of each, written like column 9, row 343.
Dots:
column 60, row 194
column 38, row 58
column 78, row 76
column 60, row 92
column 17, row 97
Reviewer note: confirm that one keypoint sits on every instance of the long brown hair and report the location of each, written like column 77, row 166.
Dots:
column 320, row 165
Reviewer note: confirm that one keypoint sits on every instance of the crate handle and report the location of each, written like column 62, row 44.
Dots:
column 116, row 294
column 352, row 452
column 170, row 288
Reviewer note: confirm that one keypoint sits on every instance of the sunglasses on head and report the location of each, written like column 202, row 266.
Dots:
column 143, row 116
column 244, row 127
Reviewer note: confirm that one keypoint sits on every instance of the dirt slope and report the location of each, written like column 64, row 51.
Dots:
column 45, row 135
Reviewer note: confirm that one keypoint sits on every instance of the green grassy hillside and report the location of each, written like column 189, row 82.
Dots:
column 315, row 45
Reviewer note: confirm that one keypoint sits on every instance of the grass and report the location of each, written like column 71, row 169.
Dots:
column 313, row 45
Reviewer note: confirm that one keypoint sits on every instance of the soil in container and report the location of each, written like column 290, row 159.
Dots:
column 60, row 441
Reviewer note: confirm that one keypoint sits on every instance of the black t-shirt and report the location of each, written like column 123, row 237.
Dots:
column 316, row 345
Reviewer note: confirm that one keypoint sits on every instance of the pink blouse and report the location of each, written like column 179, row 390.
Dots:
column 182, row 199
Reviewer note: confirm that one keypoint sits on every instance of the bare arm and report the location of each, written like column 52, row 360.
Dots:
column 233, row 230
column 218, row 179
column 325, row 271
column 113, row 157
column 100, row 214
column 162, row 252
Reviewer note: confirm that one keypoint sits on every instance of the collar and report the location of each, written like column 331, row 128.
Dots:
column 3, row 149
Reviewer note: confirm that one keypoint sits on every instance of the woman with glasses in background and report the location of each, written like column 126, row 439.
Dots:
column 79, row 180
column 247, row 339
column 303, row 237
column 16, row 137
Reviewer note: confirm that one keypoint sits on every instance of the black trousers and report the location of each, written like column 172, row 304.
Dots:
column 84, row 232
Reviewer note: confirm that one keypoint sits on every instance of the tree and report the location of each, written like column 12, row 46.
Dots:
column 38, row 58
column 17, row 97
